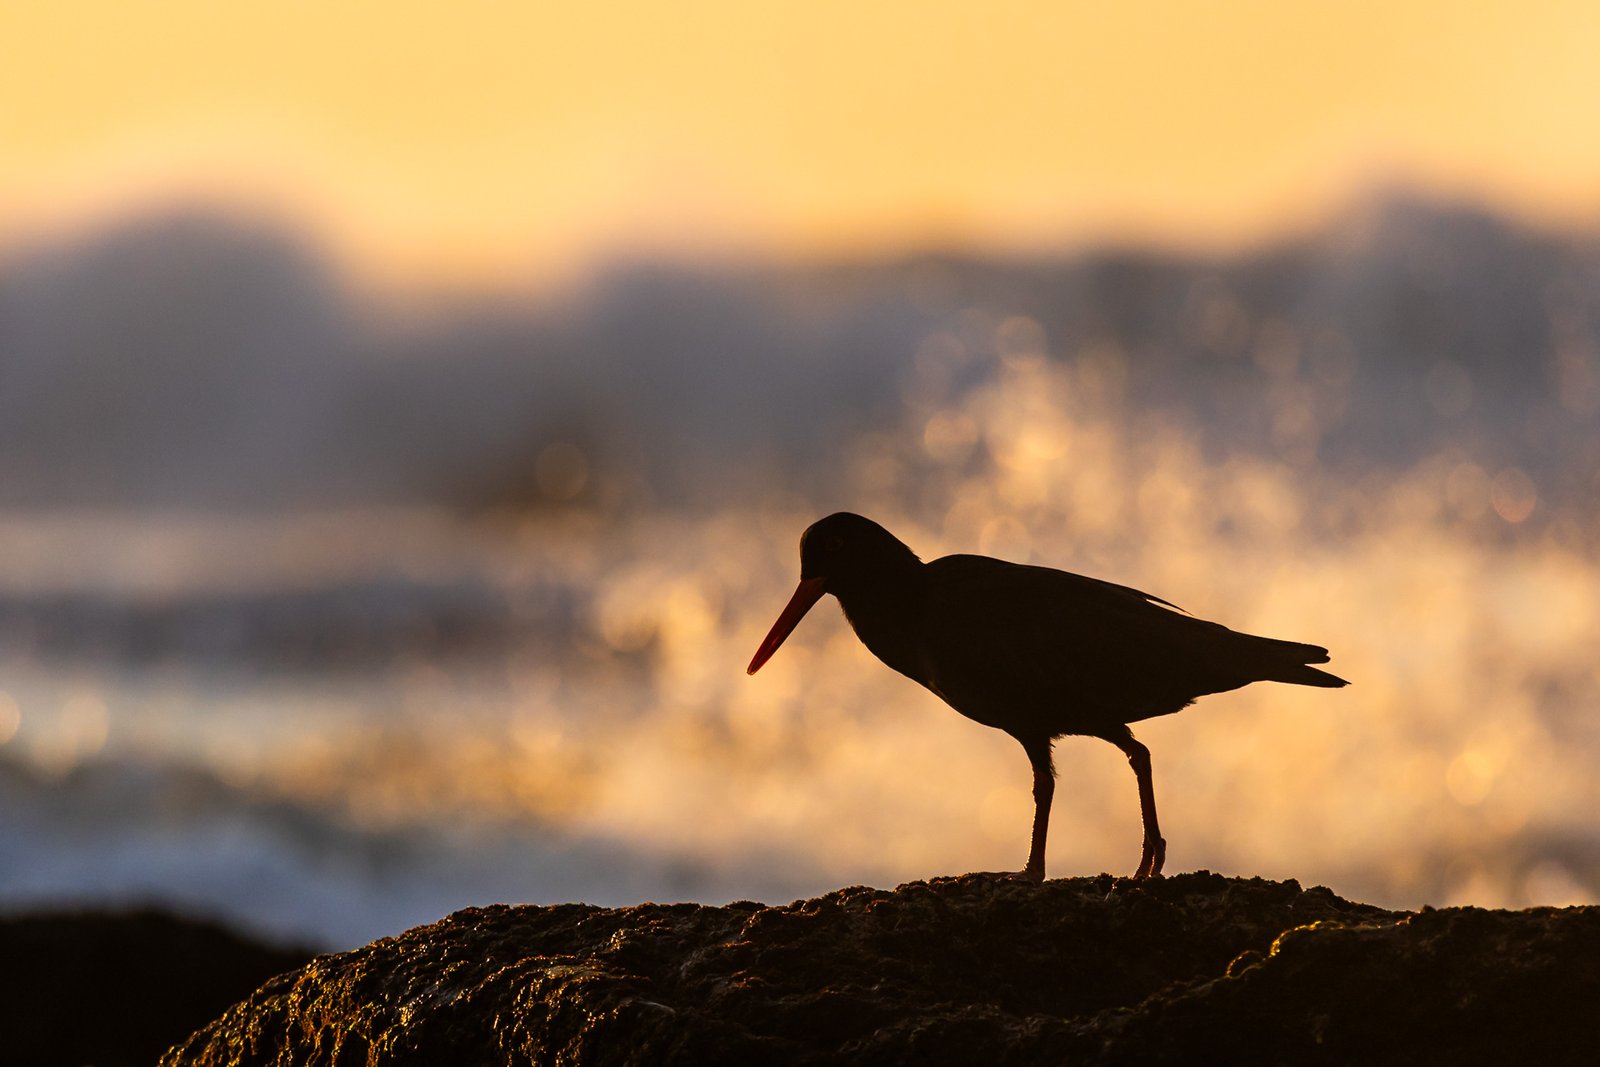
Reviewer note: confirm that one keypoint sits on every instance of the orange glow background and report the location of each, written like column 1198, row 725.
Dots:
column 483, row 142
column 522, row 150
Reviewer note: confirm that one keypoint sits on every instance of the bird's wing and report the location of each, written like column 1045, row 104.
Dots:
column 1057, row 605
column 1019, row 633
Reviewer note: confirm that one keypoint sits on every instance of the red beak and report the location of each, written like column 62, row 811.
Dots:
column 808, row 592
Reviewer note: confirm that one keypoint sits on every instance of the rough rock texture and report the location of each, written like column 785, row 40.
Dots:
column 1194, row 968
column 112, row 988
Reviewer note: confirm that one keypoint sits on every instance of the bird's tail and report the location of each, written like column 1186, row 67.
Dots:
column 1303, row 675
column 1292, row 665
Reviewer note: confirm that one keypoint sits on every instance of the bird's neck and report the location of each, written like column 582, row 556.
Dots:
column 885, row 582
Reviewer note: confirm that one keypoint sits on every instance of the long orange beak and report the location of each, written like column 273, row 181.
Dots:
column 807, row 593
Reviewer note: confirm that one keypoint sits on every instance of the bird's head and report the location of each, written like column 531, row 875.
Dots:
column 841, row 552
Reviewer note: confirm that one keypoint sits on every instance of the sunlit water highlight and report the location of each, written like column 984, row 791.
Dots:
column 555, row 707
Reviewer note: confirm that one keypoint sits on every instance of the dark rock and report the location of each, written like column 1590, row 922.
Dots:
column 119, row 988
column 1194, row 968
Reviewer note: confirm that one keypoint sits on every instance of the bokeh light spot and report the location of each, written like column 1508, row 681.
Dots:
column 562, row 471
column 1006, row 538
column 1005, row 813
column 949, row 437
column 1471, row 775
column 1513, row 495
column 10, row 717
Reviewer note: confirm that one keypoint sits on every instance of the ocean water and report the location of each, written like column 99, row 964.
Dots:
column 455, row 608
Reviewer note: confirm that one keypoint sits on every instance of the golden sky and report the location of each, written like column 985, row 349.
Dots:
column 462, row 141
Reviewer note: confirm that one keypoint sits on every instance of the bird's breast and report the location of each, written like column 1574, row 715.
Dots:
column 891, row 629
column 908, row 640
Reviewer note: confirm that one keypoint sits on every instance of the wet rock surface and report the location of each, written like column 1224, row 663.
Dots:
column 1193, row 968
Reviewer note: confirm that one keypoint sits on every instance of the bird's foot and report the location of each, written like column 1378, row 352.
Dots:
column 1155, row 856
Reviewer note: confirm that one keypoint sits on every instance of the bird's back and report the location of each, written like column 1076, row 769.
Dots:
column 1032, row 649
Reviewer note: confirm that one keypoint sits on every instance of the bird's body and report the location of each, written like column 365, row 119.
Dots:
column 1036, row 652
column 1030, row 649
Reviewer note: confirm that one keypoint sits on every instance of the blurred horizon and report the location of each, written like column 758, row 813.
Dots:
column 263, row 377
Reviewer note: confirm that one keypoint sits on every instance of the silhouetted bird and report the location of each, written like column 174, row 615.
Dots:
column 1038, row 653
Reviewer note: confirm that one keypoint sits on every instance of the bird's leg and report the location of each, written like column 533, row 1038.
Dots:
column 1155, row 849
column 1044, row 789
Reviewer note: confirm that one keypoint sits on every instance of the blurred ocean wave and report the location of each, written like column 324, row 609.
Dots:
column 331, row 620
column 206, row 362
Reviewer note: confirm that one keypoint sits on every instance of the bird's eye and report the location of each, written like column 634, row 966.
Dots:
column 835, row 544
